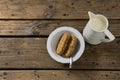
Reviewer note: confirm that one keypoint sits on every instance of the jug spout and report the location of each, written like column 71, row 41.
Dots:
column 91, row 14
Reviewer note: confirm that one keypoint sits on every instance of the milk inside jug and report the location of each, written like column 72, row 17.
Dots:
column 97, row 22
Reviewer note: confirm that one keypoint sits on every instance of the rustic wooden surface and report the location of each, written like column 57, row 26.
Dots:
column 59, row 75
column 45, row 27
column 32, row 53
column 57, row 9
column 25, row 26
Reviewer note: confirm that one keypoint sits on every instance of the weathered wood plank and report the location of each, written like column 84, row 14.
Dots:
column 57, row 9
column 58, row 75
column 32, row 53
column 45, row 27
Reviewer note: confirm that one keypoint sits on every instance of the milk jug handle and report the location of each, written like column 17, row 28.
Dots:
column 110, row 36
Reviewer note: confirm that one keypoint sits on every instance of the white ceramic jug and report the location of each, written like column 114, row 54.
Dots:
column 96, row 29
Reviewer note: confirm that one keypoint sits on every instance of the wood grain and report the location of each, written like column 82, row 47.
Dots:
column 24, row 56
column 28, row 53
column 57, row 9
column 45, row 27
column 58, row 75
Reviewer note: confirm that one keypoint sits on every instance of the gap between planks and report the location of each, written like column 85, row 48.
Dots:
column 50, row 69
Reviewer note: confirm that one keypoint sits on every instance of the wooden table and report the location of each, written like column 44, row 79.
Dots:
column 25, row 26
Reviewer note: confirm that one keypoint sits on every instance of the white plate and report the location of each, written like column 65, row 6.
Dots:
column 53, row 41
